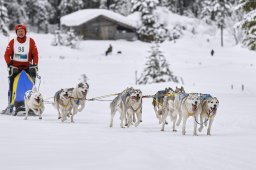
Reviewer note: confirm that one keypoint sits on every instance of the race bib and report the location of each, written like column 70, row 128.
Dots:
column 21, row 50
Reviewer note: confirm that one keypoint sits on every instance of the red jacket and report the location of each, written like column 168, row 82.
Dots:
column 32, row 55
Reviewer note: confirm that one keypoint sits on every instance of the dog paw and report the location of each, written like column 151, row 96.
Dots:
column 59, row 117
column 183, row 132
column 174, row 130
column 40, row 118
column 25, row 118
column 162, row 130
column 208, row 133
column 195, row 134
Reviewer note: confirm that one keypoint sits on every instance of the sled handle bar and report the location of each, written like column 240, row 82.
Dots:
column 18, row 68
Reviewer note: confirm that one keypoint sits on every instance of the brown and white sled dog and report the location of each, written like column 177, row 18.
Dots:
column 209, row 110
column 129, row 104
column 169, row 108
column 62, row 102
column 190, row 106
column 158, row 101
column 33, row 100
column 78, row 97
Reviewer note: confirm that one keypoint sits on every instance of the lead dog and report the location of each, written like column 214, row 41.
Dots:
column 209, row 110
column 78, row 97
column 169, row 109
column 62, row 102
column 33, row 100
column 129, row 104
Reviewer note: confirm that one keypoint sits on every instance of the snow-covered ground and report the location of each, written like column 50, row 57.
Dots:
column 90, row 144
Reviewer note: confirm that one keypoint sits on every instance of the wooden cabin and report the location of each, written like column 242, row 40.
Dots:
column 100, row 24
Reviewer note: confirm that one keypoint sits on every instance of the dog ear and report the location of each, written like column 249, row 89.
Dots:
column 182, row 89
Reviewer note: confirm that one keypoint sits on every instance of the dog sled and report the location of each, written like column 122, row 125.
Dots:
column 20, row 81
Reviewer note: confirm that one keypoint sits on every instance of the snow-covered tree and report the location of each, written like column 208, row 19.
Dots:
column 151, row 29
column 248, row 23
column 17, row 13
column 3, row 18
column 236, row 16
column 208, row 12
column 40, row 12
column 103, row 4
column 121, row 6
column 66, row 38
column 170, row 4
column 157, row 69
column 69, row 6
column 223, row 11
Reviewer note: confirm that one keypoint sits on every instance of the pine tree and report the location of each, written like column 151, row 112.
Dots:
column 208, row 12
column 69, row 6
column 157, row 69
column 103, row 4
column 171, row 5
column 249, row 23
column 121, row 6
column 17, row 13
column 223, row 11
column 3, row 18
column 39, row 12
column 150, row 28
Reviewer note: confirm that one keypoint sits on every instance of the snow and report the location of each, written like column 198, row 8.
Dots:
column 83, row 16
column 90, row 144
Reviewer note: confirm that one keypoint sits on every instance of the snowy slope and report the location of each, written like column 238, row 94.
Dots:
column 90, row 144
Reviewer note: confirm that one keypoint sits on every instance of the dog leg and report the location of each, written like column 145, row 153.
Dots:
column 40, row 114
column 195, row 126
column 58, row 108
column 26, row 109
column 122, row 118
column 184, row 125
column 73, row 114
column 178, row 112
column 163, row 120
column 134, row 118
column 63, row 115
column 112, row 117
column 209, row 127
column 174, row 119
column 205, row 123
column 129, row 114
column 82, row 105
column 139, row 116
column 201, row 124
column 156, row 112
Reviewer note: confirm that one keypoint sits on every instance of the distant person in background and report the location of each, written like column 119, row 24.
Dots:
column 21, row 54
column 109, row 50
column 212, row 52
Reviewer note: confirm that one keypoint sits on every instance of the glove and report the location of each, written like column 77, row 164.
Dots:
column 34, row 66
column 9, row 64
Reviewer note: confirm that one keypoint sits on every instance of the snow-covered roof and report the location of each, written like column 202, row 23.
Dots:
column 85, row 15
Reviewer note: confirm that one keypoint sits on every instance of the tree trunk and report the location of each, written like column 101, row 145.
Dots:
column 221, row 32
